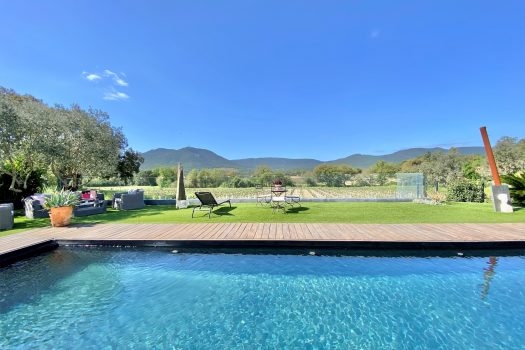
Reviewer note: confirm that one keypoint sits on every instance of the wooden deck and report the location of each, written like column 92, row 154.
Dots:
column 260, row 234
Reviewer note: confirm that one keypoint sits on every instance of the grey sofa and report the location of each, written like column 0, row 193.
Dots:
column 34, row 209
column 133, row 199
column 33, row 206
column 6, row 216
column 91, row 208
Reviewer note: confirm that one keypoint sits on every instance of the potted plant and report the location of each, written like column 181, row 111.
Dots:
column 277, row 184
column 60, row 206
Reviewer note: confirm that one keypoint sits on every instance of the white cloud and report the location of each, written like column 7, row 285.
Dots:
column 91, row 76
column 111, row 80
column 115, row 77
column 115, row 96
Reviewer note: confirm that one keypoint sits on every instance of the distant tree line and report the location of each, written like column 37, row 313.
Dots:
column 444, row 168
column 441, row 168
column 214, row 177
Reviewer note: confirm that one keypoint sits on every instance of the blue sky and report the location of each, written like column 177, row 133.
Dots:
column 313, row 79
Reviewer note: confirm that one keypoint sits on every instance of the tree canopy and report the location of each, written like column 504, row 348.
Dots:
column 69, row 142
column 335, row 174
column 510, row 155
column 384, row 170
column 128, row 165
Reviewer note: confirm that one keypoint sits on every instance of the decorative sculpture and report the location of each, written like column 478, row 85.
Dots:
column 500, row 193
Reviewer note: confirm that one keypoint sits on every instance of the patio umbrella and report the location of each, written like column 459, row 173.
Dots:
column 181, row 191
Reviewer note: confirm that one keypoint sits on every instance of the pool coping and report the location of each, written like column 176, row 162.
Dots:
column 318, row 247
column 285, row 244
column 27, row 251
column 272, row 237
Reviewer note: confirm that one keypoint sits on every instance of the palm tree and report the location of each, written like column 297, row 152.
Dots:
column 517, row 187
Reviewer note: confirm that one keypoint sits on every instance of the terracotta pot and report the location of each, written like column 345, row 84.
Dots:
column 60, row 216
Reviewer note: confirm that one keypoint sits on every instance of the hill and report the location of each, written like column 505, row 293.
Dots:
column 190, row 157
column 202, row 158
column 365, row 161
column 277, row 163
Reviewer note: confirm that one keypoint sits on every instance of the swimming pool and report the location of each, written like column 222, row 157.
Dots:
column 93, row 297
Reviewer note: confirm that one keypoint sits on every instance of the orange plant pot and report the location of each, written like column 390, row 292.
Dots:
column 61, row 216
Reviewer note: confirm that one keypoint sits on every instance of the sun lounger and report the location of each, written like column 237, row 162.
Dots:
column 208, row 202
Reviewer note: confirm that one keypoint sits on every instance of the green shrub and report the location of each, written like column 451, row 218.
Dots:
column 517, row 188
column 166, row 182
column 465, row 191
column 167, row 177
column 362, row 180
column 238, row 182
column 310, row 181
column 145, row 178
column 100, row 182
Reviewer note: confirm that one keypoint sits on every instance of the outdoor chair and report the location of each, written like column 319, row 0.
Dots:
column 208, row 202
column 34, row 206
column 278, row 203
column 263, row 196
column 133, row 199
column 278, row 198
column 6, row 216
column 293, row 200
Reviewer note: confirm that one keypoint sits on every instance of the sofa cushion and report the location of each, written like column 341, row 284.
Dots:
column 40, row 198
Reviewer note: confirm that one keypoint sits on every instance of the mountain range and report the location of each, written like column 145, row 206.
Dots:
column 199, row 158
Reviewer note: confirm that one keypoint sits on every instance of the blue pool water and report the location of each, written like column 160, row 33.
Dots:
column 93, row 298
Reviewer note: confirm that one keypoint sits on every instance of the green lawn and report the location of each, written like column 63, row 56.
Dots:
column 353, row 212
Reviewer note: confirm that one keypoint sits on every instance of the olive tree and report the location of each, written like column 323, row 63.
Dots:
column 263, row 175
column 441, row 167
column 71, row 142
column 146, row 178
column 193, row 178
column 84, row 144
column 510, row 155
column 335, row 174
column 20, row 137
column 384, row 170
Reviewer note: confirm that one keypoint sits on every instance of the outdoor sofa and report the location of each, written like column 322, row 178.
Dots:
column 6, row 216
column 133, row 199
column 34, row 206
column 98, row 206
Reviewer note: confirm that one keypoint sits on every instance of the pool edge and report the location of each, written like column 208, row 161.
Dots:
column 328, row 244
column 278, row 245
column 28, row 251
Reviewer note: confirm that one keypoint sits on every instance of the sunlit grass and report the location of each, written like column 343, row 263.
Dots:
column 309, row 212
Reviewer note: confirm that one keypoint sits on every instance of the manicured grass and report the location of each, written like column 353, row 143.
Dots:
column 353, row 212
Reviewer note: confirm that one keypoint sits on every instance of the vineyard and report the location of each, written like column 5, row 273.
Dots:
column 156, row 192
